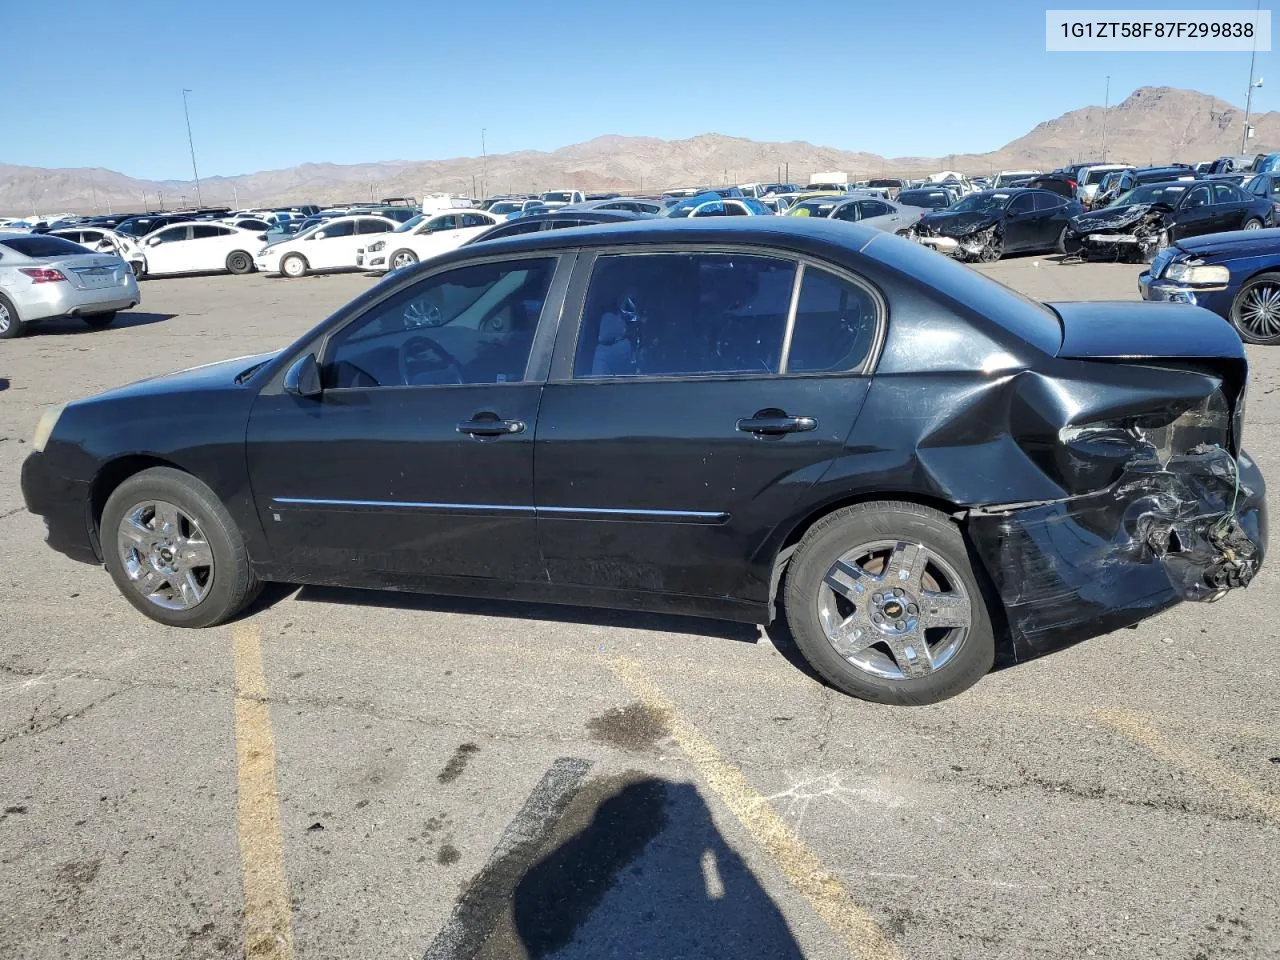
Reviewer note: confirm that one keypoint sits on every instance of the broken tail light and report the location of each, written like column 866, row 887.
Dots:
column 1096, row 454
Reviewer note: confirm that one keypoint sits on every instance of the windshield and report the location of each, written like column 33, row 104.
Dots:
column 1096, row 175
column 1166, row 193
column 884, row 183
column 43, row 245
column 981, row 203
column 409, row 224
column 506, row 206
column 560, row 197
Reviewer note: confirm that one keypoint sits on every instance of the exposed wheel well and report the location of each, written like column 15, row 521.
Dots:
column 112, row 474
column 793, row 537
column 1254, row 276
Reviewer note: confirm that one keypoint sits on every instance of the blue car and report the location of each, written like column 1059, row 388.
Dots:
column 1236, row 275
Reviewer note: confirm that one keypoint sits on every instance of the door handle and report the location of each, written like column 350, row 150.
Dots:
column 769, row 425
column 491, row 427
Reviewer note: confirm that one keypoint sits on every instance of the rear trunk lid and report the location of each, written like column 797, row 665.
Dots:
column 1105, row 330
column 92, row 271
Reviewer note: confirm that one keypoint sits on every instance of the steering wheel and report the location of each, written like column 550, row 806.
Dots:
column 426, row 355
column 418, row 314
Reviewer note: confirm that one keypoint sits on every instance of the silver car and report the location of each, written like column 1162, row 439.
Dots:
column 42, row 277
column 870, row 211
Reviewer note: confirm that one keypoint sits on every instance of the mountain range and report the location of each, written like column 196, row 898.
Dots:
column 1152, row 125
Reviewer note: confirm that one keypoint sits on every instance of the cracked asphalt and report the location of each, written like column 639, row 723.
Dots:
column 351, row 774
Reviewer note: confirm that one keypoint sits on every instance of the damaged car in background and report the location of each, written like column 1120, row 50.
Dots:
column 1148, row 218
column 990, row 223
column 700, row 416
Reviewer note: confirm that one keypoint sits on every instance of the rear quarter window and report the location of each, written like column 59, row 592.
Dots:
column 43, row 246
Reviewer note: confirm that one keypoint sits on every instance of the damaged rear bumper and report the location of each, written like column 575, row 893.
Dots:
column 1073, row 569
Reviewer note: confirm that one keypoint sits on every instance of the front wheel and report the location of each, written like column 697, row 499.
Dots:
column 401, row 259
column 993, row 249
column 99, row 321
column 239, row 262
column 174, row 551
column 1255, row 312
column 294, row 265
column 883, row 602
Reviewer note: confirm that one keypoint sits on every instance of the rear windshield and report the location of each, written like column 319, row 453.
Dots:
column 43, row 246
column 924, row 198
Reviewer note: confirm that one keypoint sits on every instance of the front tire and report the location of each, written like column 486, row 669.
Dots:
column 239, row 262
column 99, row 321
column 174, row 551
column 10, row 325
column 294, row 265
column 884, row 603
column 1255, row 312
column 993, row 250
column 401, row 259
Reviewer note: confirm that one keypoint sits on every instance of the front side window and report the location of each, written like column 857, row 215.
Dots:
column 336, row 228
column 677, row 314
column 447, row 222
column 170, row 235
column 1022, row 203
column 1199, row 197
column 474, row 324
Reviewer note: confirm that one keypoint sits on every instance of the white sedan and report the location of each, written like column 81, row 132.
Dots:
column 422, row 238
column 200, row 248
column 330, row 245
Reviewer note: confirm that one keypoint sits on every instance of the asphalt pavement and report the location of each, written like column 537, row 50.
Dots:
column 354, row 774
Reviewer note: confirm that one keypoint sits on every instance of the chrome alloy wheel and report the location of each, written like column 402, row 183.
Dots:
column 1259, row 311
column 894, row 609
column 5, row 319
column 403, row 259
column 165, row 555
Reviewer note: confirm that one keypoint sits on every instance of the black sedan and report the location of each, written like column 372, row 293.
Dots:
column 556, row 220
column 703, row 416
column 1148, row 218
column 988, row 224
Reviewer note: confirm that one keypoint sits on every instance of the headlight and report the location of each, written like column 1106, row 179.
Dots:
column 1198, row 275
column 48, row 420
column 375, row 247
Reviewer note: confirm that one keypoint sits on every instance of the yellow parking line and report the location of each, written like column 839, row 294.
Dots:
column 798, row 863
column 1214, row 774
column 268, row 929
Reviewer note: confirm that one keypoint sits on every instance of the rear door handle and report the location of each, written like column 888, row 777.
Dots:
column 769, row 426
column 486, row 427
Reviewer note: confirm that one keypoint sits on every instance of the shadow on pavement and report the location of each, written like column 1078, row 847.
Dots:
column 517, row 610
column 4, row 384
column 630, row 866
column 70, row 325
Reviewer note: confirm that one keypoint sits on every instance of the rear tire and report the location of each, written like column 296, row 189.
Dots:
column 932, row 661
column 229, row 584
column 239, row 262
column 294, row 265
column 1252, row 224
column 10, row 325
column 99, row 321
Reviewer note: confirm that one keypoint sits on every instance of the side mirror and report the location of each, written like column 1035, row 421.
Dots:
column 153, row 242
column 319, row 235
column 303, row 378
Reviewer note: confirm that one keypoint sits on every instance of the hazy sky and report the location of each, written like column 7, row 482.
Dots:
column 92, row 83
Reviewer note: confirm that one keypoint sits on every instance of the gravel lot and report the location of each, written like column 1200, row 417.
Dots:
column 347, row 774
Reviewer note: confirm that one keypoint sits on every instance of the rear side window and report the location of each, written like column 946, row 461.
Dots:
column 374, row 226
column 1225, row 193
column 202, row 232
column 43, row 245
column 1048, row 201
column 835, row 324
column 677, row 315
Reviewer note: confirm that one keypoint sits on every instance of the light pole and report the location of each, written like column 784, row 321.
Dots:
column 484, row 164
column 192, row 144
column 1105, row 110
column 1248, row 100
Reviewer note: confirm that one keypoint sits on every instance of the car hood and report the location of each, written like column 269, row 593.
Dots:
column 210, row 376
column 957, row 224
column 1110, row 218
column 1116, row 330
column 1232, row 243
